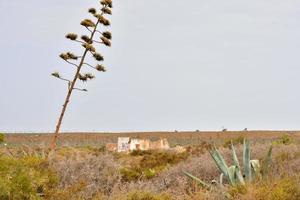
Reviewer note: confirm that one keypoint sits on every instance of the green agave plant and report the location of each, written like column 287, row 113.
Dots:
column 234, row 175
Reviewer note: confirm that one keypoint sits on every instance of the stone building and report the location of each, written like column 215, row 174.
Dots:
column 126, row 144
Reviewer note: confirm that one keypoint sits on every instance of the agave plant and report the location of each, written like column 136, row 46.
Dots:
column 234, row 173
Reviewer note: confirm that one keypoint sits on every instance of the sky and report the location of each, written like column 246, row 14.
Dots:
column 173, row 65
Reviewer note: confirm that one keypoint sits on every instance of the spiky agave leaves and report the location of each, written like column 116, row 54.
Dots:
column 88, row 23
column 233, row 173
column 246, row 161
column 85, row 77
column 267, row 162
column 71, row 36
column 107, row 3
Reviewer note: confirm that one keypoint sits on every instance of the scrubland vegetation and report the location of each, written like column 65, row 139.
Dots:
column 90, row 172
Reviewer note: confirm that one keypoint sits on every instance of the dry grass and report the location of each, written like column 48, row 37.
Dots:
column 286, row 163
column 91, row 173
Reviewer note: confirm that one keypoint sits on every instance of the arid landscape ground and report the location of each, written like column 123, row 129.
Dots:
column 81, row 167
column 174, row 137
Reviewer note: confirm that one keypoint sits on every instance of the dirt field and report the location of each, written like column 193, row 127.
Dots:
column 174, row 138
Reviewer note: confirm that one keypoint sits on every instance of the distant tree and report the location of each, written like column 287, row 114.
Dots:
column 79, row 62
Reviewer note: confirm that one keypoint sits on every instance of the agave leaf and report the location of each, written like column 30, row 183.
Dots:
column 221, row 179
column 199, row 181
column 267, row 162
column 219, row 160
column 255, row 167
column 246, row 160
column 236, row 163
column 231, row 175
column 239, row 176
column 235, row 159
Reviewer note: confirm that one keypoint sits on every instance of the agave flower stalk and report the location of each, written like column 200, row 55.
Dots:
column 81, row 61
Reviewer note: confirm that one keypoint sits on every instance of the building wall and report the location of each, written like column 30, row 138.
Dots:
column 123, row 144
column 134, row 144
column 126, row 144
column 160, row 144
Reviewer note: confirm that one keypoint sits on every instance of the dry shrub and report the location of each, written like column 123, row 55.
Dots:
column 286, row 188
column 100, row 174
column 285, row 139
column 236, row 141
column 89, row 173
column 28, row 177
column 1, row 137
column 199, row 149
column 142, row 195
column 148, row 164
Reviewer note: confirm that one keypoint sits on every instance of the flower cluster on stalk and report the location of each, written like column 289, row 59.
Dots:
column 94, row 36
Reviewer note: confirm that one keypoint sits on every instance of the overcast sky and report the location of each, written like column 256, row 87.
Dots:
column 174, row 65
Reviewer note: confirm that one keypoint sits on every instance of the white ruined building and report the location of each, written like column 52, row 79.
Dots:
column 123, row 144
column 126, row 144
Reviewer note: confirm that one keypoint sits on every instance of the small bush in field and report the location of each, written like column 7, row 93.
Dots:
column 140, row 153
column 285, row 140
column 199, row 149
column 235, row 141
column 1, row 138
column 131, row 174
column 283, row 189
column 283, row 157
column 237, row 190
column 25, row 178
column 141, row 195
column 150, row 163
column 150, row 173
column 161, row 159
column 72, row 192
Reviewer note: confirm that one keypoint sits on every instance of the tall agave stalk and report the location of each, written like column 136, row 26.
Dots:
column 234, row 173
column 87, row 41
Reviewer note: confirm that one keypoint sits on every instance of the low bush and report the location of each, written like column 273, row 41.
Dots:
column 25, row 178
column 282, row 189
column 1, row 138
column 141, row 195
column 131, row 174
column 149, row 164
column 161, row 159
column 199, row 149
column 285, row 140
column 235, row 141
column 140, row 152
